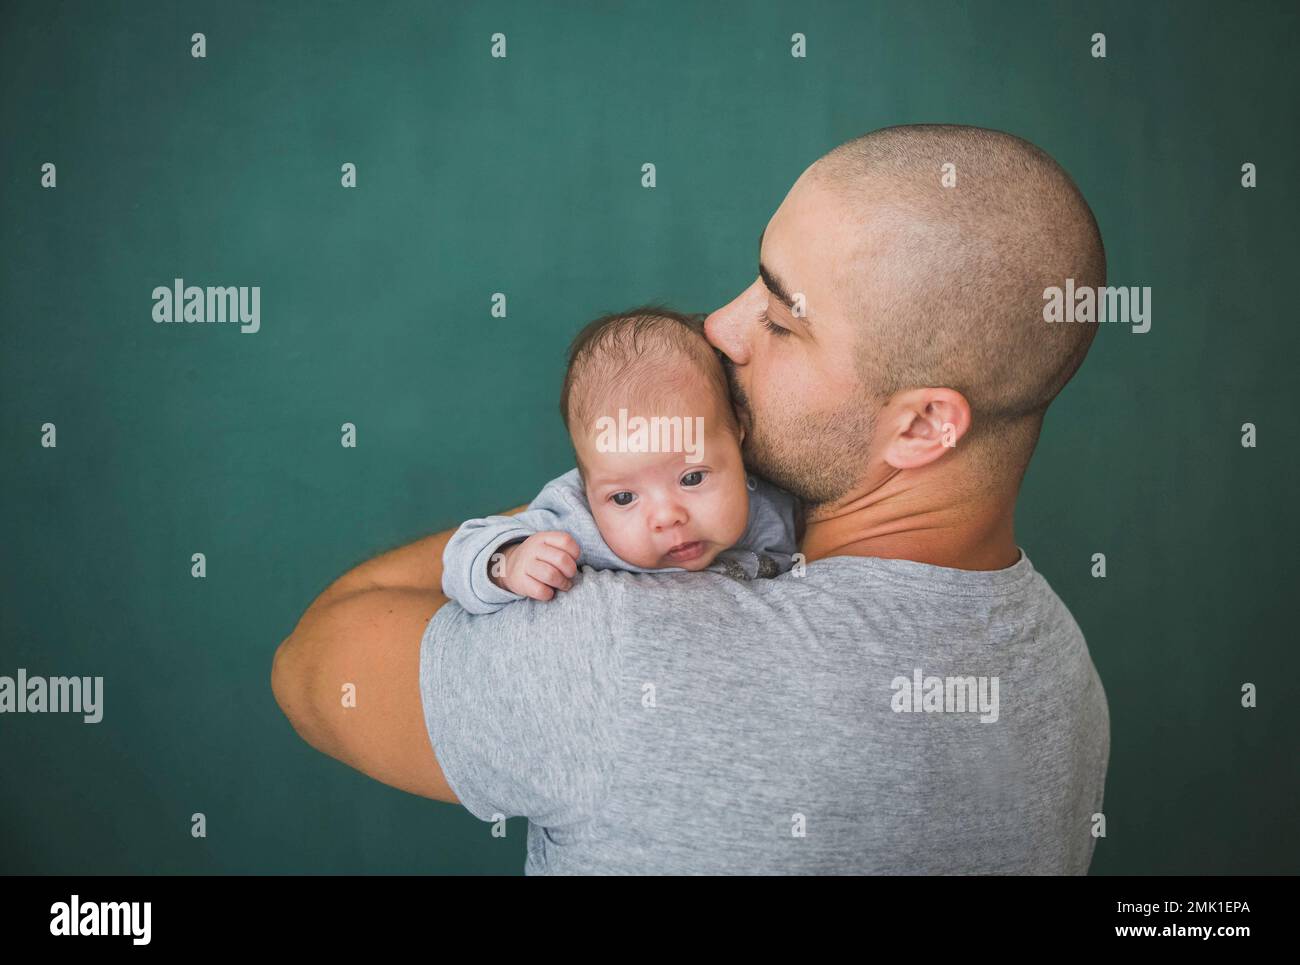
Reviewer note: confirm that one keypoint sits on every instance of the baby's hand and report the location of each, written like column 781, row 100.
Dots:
column 540, row 565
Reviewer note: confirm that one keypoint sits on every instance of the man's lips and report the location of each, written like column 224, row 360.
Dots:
column 685, row 552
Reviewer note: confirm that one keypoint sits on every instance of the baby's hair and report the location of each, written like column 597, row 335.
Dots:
column 650, row 354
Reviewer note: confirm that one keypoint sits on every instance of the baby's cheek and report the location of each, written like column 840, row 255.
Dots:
column 735, row 512
column 742, row 519
column 619, row 535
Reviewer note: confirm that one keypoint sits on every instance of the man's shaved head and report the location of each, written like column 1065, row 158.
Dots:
column 902, row 280
column 957, row 297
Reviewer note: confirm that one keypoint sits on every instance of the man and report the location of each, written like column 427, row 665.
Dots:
column 915, row 700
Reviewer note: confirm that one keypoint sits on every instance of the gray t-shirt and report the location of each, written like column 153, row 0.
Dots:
column 694, row 723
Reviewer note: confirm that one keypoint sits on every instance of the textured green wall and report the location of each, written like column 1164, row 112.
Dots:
column 478, row 175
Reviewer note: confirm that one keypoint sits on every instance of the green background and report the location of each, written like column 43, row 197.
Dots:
column 522, row 175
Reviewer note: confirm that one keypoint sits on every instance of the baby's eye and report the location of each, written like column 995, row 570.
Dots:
column 622, row 498
column 694, row 478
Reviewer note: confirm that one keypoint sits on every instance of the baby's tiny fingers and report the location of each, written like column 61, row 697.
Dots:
column 563, row 541
column 561, row 560
column 550, row 574
column 535, row 589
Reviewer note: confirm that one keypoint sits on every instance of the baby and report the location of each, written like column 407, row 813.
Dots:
column 660, row 485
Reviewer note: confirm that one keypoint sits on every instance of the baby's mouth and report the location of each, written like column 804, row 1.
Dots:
column 685, row 552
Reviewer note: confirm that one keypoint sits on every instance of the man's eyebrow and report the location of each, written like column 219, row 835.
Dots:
column 775, row 286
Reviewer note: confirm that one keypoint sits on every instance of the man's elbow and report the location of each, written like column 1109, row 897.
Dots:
column 291, row 686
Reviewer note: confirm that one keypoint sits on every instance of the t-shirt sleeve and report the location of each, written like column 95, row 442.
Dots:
column 519, row 704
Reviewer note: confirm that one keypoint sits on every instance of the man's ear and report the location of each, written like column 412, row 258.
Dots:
column 924, row 425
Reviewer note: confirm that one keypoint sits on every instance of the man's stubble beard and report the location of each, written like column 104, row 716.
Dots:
column 818, row 457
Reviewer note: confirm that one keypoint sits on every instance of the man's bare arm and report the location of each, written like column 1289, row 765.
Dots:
column 365, row 630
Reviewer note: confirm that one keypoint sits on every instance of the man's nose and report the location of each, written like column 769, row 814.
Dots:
column 728, row 328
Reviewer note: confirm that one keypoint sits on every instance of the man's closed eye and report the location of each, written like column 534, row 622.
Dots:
column 774, row 328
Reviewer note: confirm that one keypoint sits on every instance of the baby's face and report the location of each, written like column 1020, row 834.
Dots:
column 658, row 509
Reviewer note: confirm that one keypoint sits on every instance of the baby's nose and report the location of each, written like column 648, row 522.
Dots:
column 667, row 515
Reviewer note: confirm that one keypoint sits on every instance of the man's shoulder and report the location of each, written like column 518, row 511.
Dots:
column 609, row 602
column 706, row 592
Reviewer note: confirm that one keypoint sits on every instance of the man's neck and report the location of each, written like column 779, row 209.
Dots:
column 921, row 515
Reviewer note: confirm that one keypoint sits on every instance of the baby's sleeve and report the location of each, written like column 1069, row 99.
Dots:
column 468, row 554
column 771, row 529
